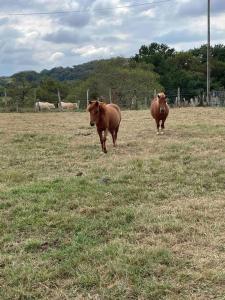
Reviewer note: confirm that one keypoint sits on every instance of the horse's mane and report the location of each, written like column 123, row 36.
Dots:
column 93, row 101
column 101, row 104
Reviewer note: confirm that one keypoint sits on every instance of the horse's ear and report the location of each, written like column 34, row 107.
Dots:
column 90, row 101
column 97, row 103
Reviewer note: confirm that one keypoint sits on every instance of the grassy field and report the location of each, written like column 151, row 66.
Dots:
column 144, row 221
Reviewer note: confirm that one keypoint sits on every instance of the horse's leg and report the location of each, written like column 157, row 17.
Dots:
column 114, row 136
column 157, row 125
column 116, row 131
column 101, row 139
column 104, row 140
column 162, row 127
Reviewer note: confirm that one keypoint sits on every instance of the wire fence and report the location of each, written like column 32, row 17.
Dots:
column 127, row 99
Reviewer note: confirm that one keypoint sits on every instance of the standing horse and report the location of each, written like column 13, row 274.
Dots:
column 39, row 106
column 159, row 111
column 67, row 105
column 107, row 117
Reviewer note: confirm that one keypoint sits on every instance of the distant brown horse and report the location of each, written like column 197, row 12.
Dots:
column 107, row 117
column 159, row 110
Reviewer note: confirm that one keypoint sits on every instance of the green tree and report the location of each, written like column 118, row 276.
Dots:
column 48, row 90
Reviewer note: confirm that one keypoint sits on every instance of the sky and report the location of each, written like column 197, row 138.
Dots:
column 99, row 29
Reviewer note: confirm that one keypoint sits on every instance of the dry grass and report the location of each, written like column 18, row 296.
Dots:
column 144, row 221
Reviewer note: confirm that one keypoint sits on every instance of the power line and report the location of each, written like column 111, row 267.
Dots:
column 86, row 10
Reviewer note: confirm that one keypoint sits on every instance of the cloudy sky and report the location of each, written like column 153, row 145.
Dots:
column 99, row 29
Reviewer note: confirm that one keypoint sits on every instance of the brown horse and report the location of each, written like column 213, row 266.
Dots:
column 107, row 117
column 159, row 111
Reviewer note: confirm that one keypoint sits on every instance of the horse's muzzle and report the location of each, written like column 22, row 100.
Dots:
column 162, row 110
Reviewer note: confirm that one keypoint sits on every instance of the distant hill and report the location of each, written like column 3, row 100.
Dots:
column 79, row 72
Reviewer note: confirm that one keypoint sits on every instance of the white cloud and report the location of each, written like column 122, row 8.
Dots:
column 91, row 51
column 56, row 56
column 150, row 13
column 218, row 22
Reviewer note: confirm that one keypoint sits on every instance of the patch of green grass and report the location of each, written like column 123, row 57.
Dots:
column 144, row 221
column 15, row 177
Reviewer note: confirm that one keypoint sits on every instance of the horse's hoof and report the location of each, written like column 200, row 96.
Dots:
column 162, row 132
column 105, row 151
column 157, row 133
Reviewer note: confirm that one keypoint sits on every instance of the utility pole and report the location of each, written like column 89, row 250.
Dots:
column 208, row 56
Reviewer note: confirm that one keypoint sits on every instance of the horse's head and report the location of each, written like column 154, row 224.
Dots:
column 94, row 109
column 162, row 102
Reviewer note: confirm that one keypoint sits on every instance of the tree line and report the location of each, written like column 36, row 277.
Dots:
column 154, row 67
column 185, row 69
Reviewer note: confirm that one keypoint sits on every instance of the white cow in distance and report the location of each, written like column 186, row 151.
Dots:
column 67, row 105
column 40, row 106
